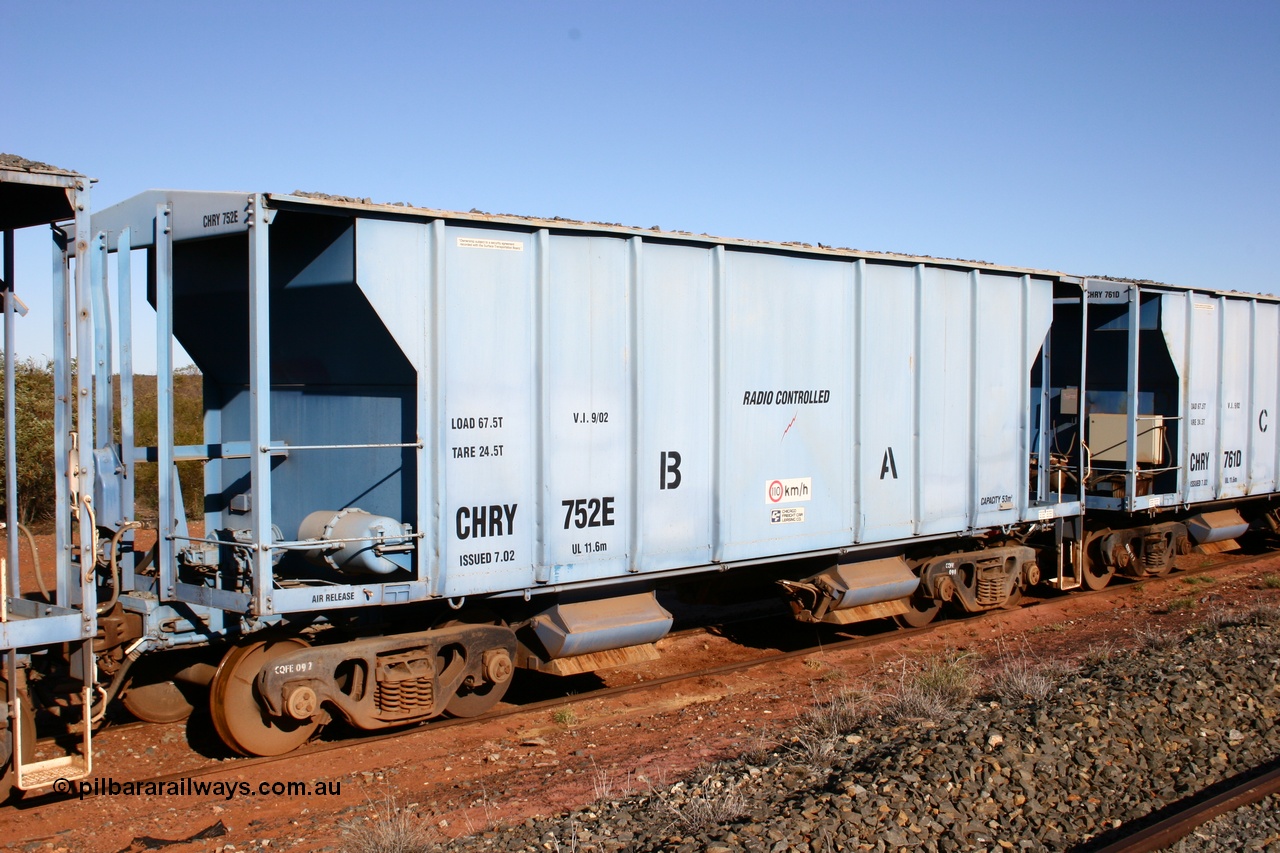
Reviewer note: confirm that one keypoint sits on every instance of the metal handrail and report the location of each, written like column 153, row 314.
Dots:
column 291, row 447
column 296, row 545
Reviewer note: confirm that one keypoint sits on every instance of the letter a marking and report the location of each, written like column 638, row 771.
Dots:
column 888, row 466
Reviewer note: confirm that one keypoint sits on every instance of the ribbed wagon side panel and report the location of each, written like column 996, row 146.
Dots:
column 784, row 383
column 676, row 405
column 1233, row 402
column 601, row 406
column 1226, row 350
column 946, row 352
column 488, row 370
column 887, row 369
column 1264, row 375
column 587, row 496
column 1192, row 333
column 1002, row 374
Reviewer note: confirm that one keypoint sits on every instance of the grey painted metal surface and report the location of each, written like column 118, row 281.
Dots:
column 33, row 194
column 1226, row 352
column 554, row 404
column 1220, row 400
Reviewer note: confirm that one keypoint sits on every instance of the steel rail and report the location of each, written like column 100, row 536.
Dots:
column 1186, row 814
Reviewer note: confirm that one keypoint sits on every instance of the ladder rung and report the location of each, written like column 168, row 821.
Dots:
column 39, row 774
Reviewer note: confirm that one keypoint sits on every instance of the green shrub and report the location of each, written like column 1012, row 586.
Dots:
column 33, row 400
column 33, row 431
column 188, row 428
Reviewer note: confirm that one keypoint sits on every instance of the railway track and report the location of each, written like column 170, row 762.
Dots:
column 1180, row 819
column 241, row 764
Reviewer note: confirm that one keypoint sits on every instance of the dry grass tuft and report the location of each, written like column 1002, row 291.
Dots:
column 1100, row 655
column 1023, row 678
column 607, row 787
column 816, row 732
column 389, row 828
column 1220, row 618
column 1262, row 614
column 934, row 690
column 763, row 748
column 710, row 803
column 1155, row 639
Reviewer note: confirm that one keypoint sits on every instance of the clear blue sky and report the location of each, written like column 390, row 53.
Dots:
column 1133, row 139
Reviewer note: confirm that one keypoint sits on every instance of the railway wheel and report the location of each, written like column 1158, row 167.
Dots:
column 239, row 716
column 472, row 700
column 921, row 611
column 477, row 696
column 1096, row 573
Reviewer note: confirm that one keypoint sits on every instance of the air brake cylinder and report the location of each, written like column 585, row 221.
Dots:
column 354, row 541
